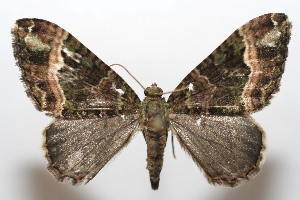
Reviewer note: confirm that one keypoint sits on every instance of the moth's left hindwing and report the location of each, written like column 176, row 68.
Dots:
column 228, row 148
column 95, row 109
column 64, row 78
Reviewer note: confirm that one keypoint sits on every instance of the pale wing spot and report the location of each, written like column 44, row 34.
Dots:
column 117, row 89
column 191, row 87
column 74, row 158
column 274, row 22
column 35, row 44
column 120, row 91
column 30, row 28
column 198, row 121
column 270, row 39
column 75, row 56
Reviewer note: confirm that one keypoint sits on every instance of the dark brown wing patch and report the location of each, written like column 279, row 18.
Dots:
column 78, row 149
column 228, row 148
column 266, row 39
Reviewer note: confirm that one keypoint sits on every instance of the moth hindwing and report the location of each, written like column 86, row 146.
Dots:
column 96, row 113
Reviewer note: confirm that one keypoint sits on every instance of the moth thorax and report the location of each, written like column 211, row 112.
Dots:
column 153, row 91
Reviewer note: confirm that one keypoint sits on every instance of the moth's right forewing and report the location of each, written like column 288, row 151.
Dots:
column 64, row 78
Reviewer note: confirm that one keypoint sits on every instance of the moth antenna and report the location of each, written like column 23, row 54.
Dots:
column 173, row 149
column 128, row 73
column 178, row 90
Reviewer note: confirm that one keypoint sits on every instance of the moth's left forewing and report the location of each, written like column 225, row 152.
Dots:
column 241, row 75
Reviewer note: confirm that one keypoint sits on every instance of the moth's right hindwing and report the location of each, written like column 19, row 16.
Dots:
column 78, row 149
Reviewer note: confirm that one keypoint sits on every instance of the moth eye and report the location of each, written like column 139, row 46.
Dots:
column 146, row 92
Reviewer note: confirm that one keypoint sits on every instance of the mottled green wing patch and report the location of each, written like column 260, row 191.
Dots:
column 64, row 78
column 241, row 75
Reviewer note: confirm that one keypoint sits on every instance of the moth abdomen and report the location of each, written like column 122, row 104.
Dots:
column 156, row 143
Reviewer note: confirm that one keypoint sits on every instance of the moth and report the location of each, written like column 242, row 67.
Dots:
column 96, row 113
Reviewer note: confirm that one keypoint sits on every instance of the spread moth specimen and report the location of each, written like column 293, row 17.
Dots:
column 96, row 113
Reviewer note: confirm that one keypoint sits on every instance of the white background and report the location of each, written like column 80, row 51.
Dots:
column 158, row 41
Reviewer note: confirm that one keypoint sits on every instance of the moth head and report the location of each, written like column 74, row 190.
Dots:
column 153, row 91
